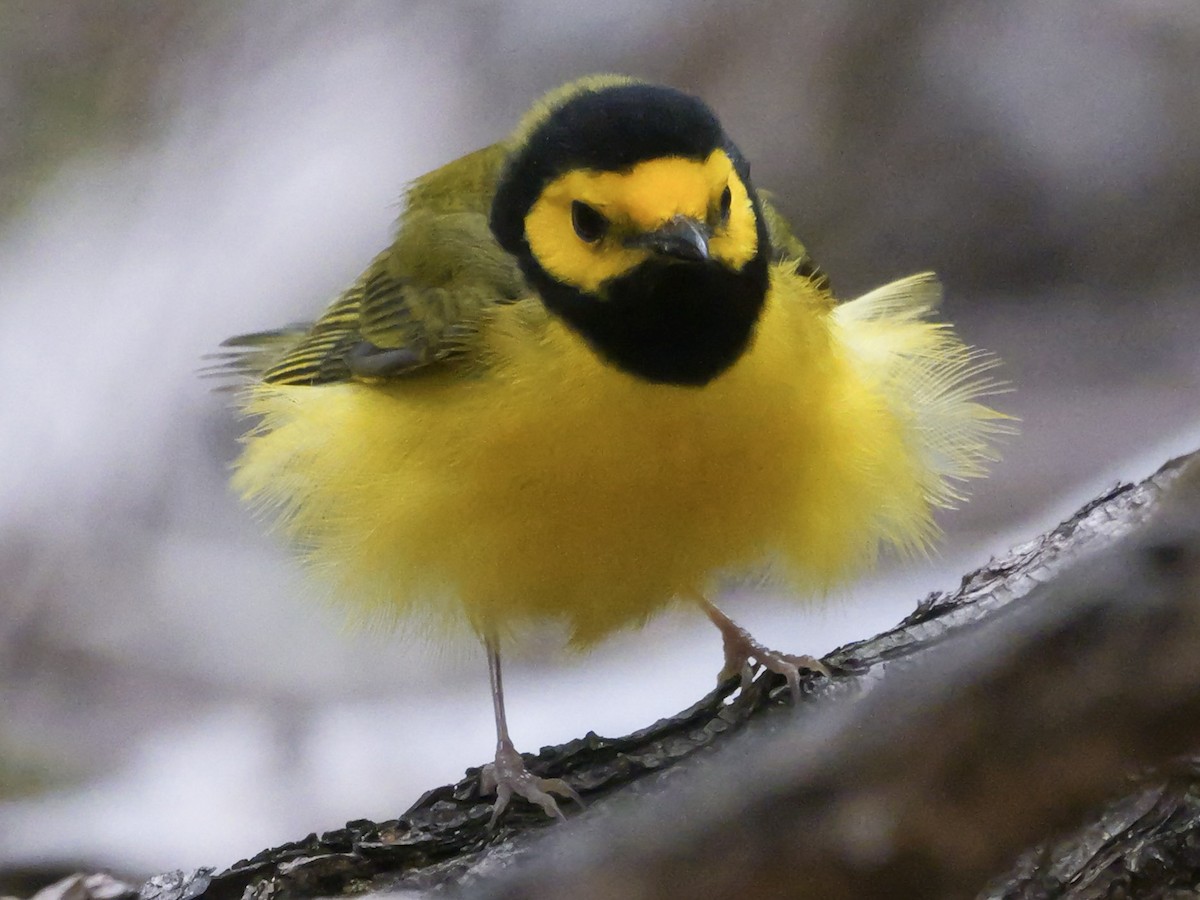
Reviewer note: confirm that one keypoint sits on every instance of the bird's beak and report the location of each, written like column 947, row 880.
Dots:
column 681, row 238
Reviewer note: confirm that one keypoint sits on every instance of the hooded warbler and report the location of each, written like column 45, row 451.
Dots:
column 596, row 374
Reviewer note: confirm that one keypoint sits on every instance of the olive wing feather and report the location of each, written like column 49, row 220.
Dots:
column 787, row 248
column 418, row 303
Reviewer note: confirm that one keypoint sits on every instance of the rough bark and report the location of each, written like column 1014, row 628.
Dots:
column 1027, row 735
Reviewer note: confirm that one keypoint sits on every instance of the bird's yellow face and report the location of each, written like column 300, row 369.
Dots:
column 588, row 227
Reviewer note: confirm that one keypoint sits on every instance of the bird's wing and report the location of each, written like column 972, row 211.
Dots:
column 787, row 248
column 419, row 303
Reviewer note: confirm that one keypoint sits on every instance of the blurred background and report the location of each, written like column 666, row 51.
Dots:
column 171, row 174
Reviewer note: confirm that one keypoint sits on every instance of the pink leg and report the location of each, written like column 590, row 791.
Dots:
column 507, row 775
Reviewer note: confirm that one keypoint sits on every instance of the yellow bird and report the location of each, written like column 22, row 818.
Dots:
column 595, row 375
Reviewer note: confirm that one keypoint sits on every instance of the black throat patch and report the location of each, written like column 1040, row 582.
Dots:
column 670, row 323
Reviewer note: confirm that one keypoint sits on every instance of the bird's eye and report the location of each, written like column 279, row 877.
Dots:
column 726, row 203
column 589, row 224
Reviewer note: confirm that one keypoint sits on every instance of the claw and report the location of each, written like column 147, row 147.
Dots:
column 508, row 775
column 741, row 648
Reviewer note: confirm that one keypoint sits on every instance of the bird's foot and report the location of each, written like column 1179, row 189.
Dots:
column 508, row 775
column 741, row 648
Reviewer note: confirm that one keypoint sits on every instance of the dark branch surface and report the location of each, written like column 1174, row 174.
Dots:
column 1032, row 707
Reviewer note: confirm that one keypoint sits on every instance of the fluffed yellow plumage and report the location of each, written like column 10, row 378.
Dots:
column 596, row 374
column 557, row 487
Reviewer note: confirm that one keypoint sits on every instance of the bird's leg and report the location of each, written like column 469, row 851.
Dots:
column 508, row 775
column 740, row 648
